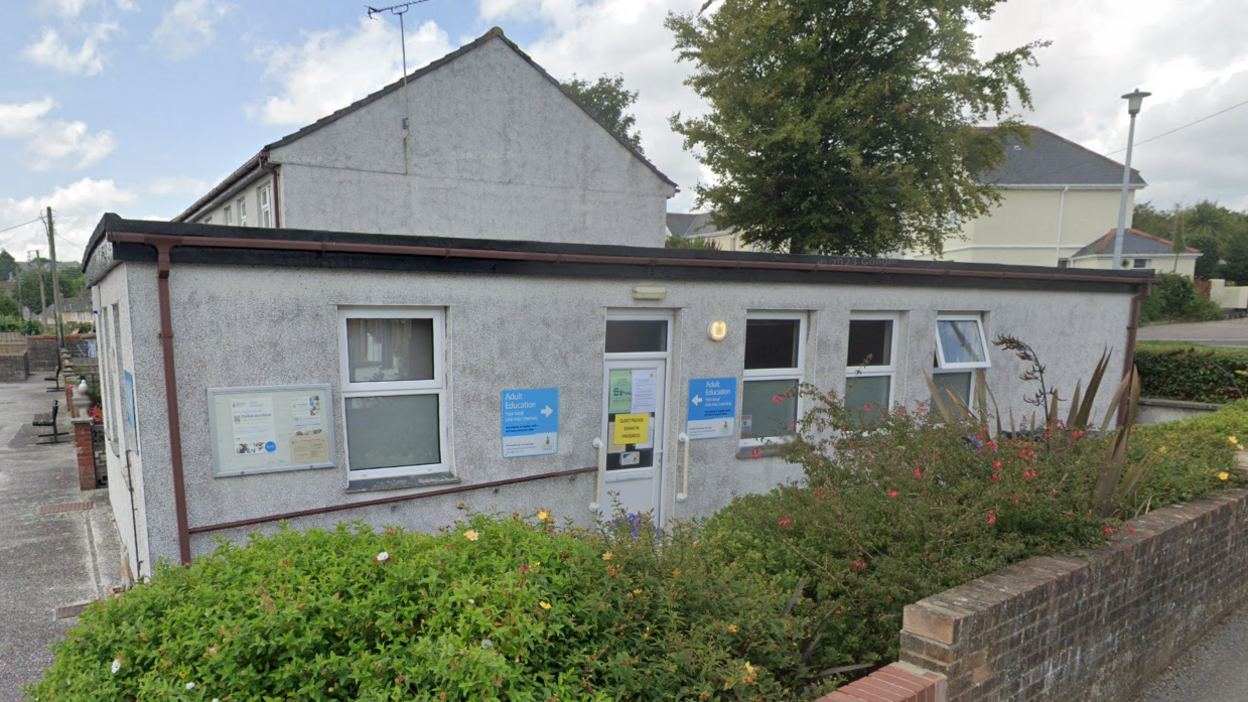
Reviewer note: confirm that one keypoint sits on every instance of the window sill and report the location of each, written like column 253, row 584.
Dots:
column 750, row 453
column 402, row 482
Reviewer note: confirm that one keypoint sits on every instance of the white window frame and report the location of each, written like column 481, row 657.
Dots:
column 241, row 205
column 881, row 371
column 944, row 365
column 435, row 386
column 796, row 374
column 265, row 203
column 229, row 216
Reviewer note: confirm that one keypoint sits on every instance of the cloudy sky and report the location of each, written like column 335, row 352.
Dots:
column 140, row 106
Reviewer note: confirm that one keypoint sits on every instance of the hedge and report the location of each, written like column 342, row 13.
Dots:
column 772, row 599
column 1177, row 371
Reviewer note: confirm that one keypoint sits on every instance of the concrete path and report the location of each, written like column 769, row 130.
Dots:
column 47, row 561
column 1232, row 332
column 1212, row 671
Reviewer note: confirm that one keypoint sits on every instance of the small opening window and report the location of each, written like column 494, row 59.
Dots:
column 1140, row 263
column 869, row 368
column 772, row 376
column 960, row 343
column 636, row 336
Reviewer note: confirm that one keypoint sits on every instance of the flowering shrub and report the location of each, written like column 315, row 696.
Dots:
column 495, row 609
column 1189, row 459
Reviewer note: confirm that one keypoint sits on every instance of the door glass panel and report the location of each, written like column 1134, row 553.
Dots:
column 633, row 395
column 636, row 336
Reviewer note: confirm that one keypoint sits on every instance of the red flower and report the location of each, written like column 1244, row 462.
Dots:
column 859, row 565
column 996, row 477
column 1131, row 530
column 918, row 473
column 892, row 493
column 866, row 408
column 992, row 518
column 777, row 399
column 756, row 452
column 785, row 522
column 996, row 465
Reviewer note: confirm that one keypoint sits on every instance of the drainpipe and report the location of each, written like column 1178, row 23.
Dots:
column 163, row 245
column 1061, row 208
column 1128, row 363
column 263, row 160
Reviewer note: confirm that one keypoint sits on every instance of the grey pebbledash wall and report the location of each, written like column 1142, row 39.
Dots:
column 1094, row 629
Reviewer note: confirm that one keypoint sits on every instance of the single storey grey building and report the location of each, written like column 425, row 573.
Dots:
column 457, row 291
column 252, row 376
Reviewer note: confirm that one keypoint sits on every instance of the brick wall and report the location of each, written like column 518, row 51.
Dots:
column 1093, row 628
column 44, row 355
column 13, row 367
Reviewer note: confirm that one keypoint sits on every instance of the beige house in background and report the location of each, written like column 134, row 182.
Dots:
column 1056, row 197
column 1139, row 250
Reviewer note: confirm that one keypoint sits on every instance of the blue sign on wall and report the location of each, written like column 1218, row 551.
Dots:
column 530, row 422
column 712, row 410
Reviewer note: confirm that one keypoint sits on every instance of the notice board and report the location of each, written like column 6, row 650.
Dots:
column 270, row 429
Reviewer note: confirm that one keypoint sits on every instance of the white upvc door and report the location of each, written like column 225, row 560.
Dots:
column 634, row 410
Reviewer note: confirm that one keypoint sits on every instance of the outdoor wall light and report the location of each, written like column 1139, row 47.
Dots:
column 717, row 330
column 649, row 292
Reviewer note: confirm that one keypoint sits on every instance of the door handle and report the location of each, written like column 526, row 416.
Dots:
column 684, row 491
column 602, row 470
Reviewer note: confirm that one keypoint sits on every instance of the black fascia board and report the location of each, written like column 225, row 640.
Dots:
column 885, row 271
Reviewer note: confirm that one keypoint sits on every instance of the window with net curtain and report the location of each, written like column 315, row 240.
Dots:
column 393, row 391
column 961, row 349
column 772, row 374
column 869, row 365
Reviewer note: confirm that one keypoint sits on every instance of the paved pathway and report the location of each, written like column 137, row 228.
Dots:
column 50, row 560
column 1214, row 671
column 1232, row 332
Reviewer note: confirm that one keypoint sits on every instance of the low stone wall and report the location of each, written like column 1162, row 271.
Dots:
column 13, row 367
column 1157, row 411
column 1094, row 628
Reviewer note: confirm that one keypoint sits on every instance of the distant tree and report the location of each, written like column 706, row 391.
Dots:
column 608, row 100
column 847, row 127
column 69, row 277
column 1234, row 266
column 679, row 242
column 9, row 306
column 1150, row 220
column 7, row 264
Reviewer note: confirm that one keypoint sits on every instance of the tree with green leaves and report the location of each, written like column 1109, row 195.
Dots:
column 8, row 306
column 70, row 279
column 847, row 127
column 609, row 101
column 8, row 265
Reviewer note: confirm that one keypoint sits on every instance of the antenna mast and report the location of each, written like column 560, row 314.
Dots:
column 400, row 10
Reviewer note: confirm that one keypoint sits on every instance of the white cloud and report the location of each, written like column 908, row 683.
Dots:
column 50, row 141
column 334, row 68
column 77, row 208
column 188, row 28
column 52, row 52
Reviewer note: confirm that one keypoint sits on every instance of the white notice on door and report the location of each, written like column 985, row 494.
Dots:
column 644, row 391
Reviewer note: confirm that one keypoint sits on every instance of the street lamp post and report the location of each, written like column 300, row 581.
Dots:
column 1134, row 100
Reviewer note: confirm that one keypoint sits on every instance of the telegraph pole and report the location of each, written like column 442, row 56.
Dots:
column 56, row 284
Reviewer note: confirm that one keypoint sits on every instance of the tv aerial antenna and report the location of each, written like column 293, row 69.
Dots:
column 400, row 10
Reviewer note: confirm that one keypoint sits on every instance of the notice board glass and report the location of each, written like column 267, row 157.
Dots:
column 270, row 429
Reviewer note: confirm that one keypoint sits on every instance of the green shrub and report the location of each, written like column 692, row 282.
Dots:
column 1189, row 459
column 1175, row 299
column 1192, row 373
column 495, row 609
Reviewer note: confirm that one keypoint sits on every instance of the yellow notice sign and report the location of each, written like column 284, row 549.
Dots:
column 631, row 429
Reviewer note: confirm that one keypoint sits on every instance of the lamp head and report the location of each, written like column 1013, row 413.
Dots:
column 1134, row 100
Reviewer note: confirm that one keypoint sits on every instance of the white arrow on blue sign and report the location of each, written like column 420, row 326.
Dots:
column 712, row 412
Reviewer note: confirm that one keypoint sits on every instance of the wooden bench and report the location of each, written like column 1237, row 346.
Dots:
column 48, row 419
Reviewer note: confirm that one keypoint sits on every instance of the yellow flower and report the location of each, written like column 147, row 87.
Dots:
column 732, row 628
column 749, row 668
column 1223, row 475
column 537, row 564
column 1163, row 449
column 1232, row 440
column 637, row 591
column 542, row 515
column 676, row 573
column 1239, row 447
column 471, row 535
column 544, row 605
column 607, row 556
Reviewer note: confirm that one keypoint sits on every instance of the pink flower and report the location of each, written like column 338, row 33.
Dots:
column 996, row 465
column 1130, row 530
column 757, row 452
column 892, row 493
column 995, row 476
column 1109, row 529
column 859, row 565
column 992, row 517
column 785, row 522
column 918, row 473
column 777, row 399
column 866, row 408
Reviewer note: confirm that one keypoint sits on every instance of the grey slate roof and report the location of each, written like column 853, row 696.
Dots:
column 693, row 224
column 1134, row 243
column 1052, row 160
